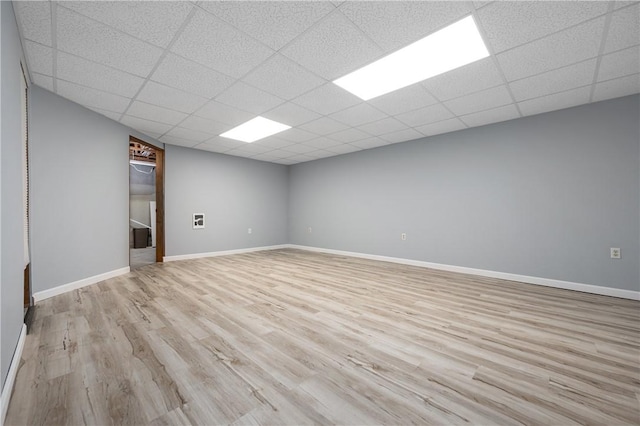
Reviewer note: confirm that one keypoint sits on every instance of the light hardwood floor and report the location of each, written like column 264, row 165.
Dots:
column 293, row 337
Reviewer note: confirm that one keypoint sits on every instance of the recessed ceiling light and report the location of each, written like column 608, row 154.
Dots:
column 255, row 129
column 451, row 47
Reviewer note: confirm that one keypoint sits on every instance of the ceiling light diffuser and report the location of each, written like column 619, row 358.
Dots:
column 452, row 47
column 255, row 129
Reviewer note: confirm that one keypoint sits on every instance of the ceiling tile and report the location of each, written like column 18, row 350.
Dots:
column 321, row 153
column 155, row 113
column 91, row 74
column 274, row 142
column 403, row 100
column 371, row 142
column 34, row 20
column 619, row 64
column 250, row 148
column 153, row 21
column 624, row 86
column 349, row 135
column 323, row 126
column 332, row 47
column 225, row 142
column 111, row 115
column 556, row 101
column 143, row 125
column 266, row 157
column 557, row 50
column 100, row 43
column 479, row 101
column 444, row 126
column 282, row 77
column 248, row 98
column 470, row 78
column 624, row 29
column 322, row 143
column 222, row 113
column 213, row 148
column 425, row 115
column 510, row 24
column 380, row 127
column 273, row 23
column 281, row 154
column 479, row 4
column 299, row 148
column 168, row 97
column 559, row 80
column 44, row 81
column 395, row 24
column 300, row 158
column 344, row 148
column 187, row 134
column 401, row 136
column 358, row 114
column 191, row 77
column 178, row 141
column 203, row 125
column 503, row 113
column 327, row 99
column 296, row 135
column 92, row 97
column 39, row 58
column 291, row 114
column 208, row 40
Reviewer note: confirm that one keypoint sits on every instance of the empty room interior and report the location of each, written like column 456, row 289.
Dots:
column 320, row 212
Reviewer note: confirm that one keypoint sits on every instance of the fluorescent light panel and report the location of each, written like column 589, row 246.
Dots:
column 452, row 47
column 255, row 129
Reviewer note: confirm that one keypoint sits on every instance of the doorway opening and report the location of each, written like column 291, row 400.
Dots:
column 146, row 203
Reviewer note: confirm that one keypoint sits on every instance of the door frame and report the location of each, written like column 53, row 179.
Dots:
column 160, row 248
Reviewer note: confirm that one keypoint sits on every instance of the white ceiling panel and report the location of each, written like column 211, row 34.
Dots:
column 401, row 136
column 323, row 143
column 145, row 125
column 87, row 73
column 425, row 115
column 555, row 101
column 395, row 24
column 266, row 157
column 92, row 97
column 191, row 77
column 624, row 86
column 273, row 23
column 403, row 100
column 281, row 153
column 213, row 148
column 381, row 127
column 39, row 58
column 323, row 126
column 109, row 114
column 242, row 95
column 178, row 141
column 562, row 79
column 250, row 148
column 188, row 134
column 225, row 142
column 624, row 30
column 296, row 135
column 44, row 81
column 491, row 116
column 153, row 22
column 321, row 153
column 327, row 99
column 299, row 148
column 222, row 113
column 168, row 97
column 284, row 78
column 473, row 77
column 291, row 114
column 509, row 24
column 217, row 45
column 620, row 64
column 371, row 142
column 155, row 113
column 358, row 114
column 34, row 20
column 349, row 135
column 274, row 142
column 479, row 101
column 344, row 148
column 300, row 158
column 84, row 37
column 332, row 47
column 557, row 50
column 203, row 125
column 444, row 126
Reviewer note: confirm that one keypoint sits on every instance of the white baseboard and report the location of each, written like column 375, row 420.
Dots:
column 567, row 285
column 45, row 294
column 11, row 376
column 221, row 253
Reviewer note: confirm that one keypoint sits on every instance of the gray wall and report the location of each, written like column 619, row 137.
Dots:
column 11, row 253
column 79, row 191
column 234, row 193
column 543, row 196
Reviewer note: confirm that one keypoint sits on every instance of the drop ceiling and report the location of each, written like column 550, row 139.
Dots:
column 185, row 72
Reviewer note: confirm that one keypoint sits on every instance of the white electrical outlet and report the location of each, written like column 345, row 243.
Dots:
column 249, row 231
column 403, row 236
column 615, row 253
column 309, row 230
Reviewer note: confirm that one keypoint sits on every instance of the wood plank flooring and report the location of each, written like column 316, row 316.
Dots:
column 293, row 337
